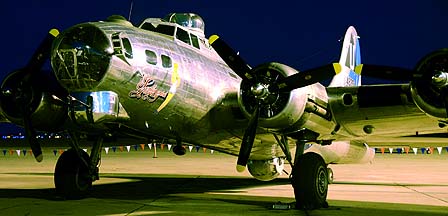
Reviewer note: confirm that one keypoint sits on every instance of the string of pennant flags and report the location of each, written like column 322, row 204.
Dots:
column 107, row 150
column 151, row 146
column 407, row 150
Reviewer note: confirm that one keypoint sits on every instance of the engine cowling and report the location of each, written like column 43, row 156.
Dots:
column 266, row 170
column 430, row 85
column 285, row 111
column 277, row 109
column 46, row 112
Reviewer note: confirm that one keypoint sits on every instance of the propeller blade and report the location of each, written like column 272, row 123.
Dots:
column 248, row 140
column 23, row 92
column 235, row 62
column 42, row 52
column 308, row 77
column 385, row 72
column 30, row 136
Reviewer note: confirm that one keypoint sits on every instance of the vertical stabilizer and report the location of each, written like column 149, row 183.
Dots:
column 350, row 58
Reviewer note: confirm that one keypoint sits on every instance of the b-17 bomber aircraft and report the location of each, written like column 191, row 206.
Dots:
column 113, row 81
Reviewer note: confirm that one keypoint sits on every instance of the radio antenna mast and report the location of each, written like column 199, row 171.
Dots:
column 130, row 10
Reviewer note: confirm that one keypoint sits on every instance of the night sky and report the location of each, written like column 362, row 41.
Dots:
column 302, row 34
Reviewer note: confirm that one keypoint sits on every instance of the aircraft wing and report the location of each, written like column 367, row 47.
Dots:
column 385, row 115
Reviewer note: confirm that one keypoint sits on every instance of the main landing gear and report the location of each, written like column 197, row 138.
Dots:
column 309, row 176
column 75, row 170
column 178, row 149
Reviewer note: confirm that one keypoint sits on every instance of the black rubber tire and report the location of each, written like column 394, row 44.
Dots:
column 71, row 176
column 179, row 150
column 310, row 182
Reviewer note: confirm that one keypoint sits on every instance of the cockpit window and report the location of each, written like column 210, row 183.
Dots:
column 162, row 29
column 183, row 35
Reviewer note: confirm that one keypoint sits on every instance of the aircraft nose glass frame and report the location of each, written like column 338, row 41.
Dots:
column 80, row 57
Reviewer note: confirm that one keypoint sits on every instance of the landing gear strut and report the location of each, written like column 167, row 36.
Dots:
column 75, row 170
column 309, row 176
column 178, row 149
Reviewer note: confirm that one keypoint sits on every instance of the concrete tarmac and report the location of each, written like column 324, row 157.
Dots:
column 135, row 183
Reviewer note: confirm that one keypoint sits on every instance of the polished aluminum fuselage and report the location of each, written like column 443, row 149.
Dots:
column 194, row 99
column 203, row 108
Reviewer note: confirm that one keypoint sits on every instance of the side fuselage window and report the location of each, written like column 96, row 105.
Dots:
column 194, row 40
column 151, row 57
column 166, row 61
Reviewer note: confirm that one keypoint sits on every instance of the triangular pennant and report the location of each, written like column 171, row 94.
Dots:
column 135, row 147
column 11, row 152
column 197, row 148
column 150, row 145
column 431, row 150
column 423, row 150
column 391, row 150
column 439, row 149
column 24, row 152
column 211, row 151
column 162, row 146
column 128, row 148
column 142, row 146
column 107, row 150
column 204, row 149
column 190, row 148
column 415, row 150
column 61, row 151
column 406, row 149
column 55, row 152
column 169, row 147
column 30, row 152
column 399, row 150
column 114, row 148
column 446, row 149
column 4, row 152
column 85, row 150
column 121, row 148
column 18, row 152
column 382, row 150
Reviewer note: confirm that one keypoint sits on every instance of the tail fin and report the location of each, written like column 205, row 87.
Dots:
column 350, row 58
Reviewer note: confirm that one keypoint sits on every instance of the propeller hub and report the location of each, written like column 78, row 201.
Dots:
column 7, row 92
column 16, row 94
column 260, row 91
column 440, row 79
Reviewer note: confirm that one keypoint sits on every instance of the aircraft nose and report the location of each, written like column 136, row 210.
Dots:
column 81, row 57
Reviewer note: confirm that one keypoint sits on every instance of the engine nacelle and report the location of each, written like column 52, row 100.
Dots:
column 266, row 170
column 430, row 84
column 288, row 111
column 343, row 152
column 46, row 112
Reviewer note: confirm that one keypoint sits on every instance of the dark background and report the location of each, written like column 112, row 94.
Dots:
column 302, row 34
